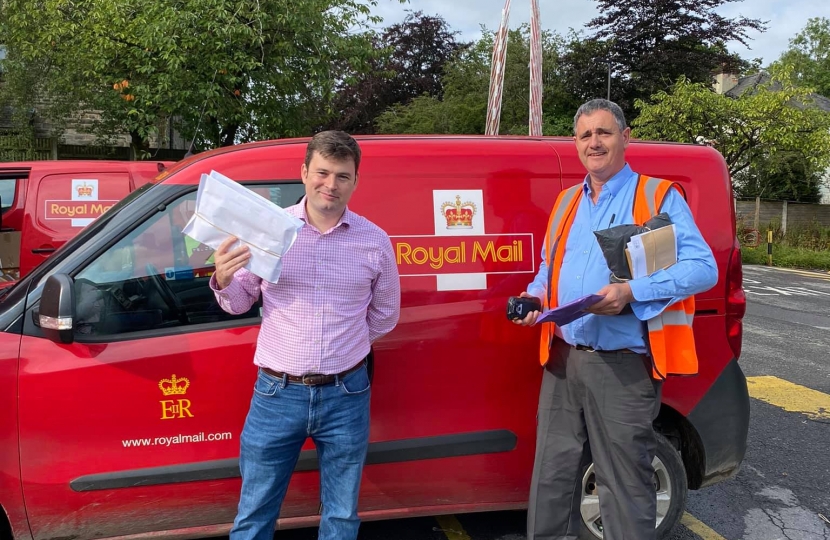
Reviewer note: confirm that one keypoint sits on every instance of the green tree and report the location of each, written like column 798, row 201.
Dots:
column 239, row 70
column 761, row 134
column 808, row 56
column 585, row 68
column 463, row 108
column 790, row 178
column 651, row 43
column 418, row 50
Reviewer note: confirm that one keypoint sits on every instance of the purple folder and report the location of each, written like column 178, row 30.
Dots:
column 569, row 312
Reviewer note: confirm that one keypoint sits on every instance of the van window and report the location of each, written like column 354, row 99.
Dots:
column 156, row 278
column 7, row 189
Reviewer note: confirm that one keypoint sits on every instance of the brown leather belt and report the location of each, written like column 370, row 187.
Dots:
column 312, row 379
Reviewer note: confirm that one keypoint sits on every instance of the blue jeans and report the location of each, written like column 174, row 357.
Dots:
column 282, row 416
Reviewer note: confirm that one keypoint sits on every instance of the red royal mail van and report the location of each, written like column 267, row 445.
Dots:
column 125, row 421
column 45, row 203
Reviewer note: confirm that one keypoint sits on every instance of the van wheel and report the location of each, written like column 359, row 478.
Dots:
column 5, row 527
column 669, row 482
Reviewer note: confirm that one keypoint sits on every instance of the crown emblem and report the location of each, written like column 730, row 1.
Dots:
column 84, row 190
column 174, row 386
column 459, row 215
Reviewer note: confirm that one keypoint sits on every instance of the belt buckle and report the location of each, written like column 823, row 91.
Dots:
column 312, row 379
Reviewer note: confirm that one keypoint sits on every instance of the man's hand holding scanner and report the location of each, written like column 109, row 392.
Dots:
column 530, row 318
column 617, row 296
column 228, row 262
column 526, row 310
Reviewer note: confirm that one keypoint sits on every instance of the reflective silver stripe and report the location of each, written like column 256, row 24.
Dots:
column 650, row 189
column 678, row 318
column 670, row 317
column 655, row 324
column 567, row 197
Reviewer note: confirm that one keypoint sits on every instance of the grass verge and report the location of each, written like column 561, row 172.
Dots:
column 787, row 257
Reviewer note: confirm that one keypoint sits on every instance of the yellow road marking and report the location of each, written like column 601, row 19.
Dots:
column 807, row 273
column 789, row 396
column 451, row 528
column 823, row 277
column 699, row 528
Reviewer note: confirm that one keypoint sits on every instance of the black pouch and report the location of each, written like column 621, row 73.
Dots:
column 613, row 241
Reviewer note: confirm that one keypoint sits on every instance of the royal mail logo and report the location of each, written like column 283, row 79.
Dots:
column 175, row 408
column 82, row 206
column 77, row 210
column 441, row 255
column 461, row 253
column 84, row 190
column 458, row 212
column 459, row 215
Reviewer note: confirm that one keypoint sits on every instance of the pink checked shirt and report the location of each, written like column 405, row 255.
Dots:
column 339, row 291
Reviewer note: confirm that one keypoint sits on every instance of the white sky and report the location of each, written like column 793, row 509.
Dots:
column 786, row 18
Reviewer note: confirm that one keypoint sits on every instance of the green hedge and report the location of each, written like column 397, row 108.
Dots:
column 787, row 257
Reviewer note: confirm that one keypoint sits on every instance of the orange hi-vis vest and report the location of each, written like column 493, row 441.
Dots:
column 670, row 340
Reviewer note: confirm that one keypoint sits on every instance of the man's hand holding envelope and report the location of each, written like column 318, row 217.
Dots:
column 227, row 215
column 228, row 262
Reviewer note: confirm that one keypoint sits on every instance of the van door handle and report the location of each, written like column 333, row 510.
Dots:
column 44, row 250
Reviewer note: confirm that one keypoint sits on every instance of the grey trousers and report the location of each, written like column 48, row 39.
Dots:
column 601, row 406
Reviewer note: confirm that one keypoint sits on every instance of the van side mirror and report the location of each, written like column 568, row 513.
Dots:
column 57, row 309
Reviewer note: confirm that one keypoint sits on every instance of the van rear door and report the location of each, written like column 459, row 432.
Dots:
column 61, row 205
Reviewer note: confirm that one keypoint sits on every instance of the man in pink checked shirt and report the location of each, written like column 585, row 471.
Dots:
column 339, row 292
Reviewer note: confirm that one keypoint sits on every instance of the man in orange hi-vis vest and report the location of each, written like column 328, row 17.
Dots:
column 603, row 372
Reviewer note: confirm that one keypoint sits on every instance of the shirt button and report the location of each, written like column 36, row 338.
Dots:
column 316, row 314
column 585, row 252
column 577, row 277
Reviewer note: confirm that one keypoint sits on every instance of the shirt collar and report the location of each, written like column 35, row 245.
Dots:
column 613, row 185
column 346, row 219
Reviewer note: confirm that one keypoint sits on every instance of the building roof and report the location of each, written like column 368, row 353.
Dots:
column 749, row 84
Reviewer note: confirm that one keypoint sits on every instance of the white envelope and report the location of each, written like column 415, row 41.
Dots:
column 225, row 208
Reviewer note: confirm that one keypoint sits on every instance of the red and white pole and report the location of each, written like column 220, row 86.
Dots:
column 535, row 71
column 497, row 74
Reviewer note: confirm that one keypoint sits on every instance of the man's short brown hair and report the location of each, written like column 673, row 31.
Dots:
column 337, row 145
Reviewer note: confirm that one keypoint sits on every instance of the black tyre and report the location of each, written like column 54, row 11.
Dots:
column 669, row 482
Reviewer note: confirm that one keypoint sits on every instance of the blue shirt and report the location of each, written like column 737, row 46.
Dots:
column 584, row 270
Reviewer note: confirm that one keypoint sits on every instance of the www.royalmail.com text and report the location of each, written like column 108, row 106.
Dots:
column 177, row 439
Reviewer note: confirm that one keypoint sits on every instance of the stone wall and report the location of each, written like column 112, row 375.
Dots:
column 760, row 214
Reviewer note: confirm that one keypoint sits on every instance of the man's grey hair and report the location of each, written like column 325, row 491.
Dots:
column 601, row 105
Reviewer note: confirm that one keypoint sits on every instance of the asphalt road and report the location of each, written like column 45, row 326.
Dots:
column 784, row 483
column 783, row 488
